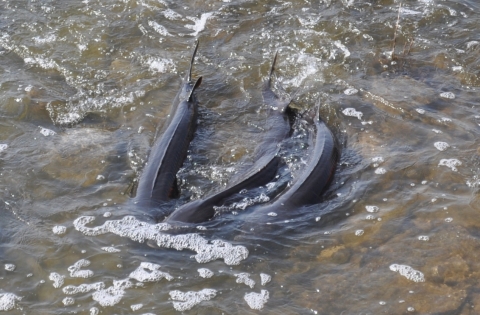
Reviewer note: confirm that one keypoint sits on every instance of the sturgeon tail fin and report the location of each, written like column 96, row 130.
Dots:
column 269, row 81
column 189, row 76
column 195, row 86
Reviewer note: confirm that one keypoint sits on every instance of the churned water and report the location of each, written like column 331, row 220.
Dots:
column 85, row 85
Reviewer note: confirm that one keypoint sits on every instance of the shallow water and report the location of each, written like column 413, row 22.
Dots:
column 86, row 85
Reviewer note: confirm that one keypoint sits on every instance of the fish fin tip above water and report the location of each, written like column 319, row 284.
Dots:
column 195, row 86
column 272, row 69
column 189, row 75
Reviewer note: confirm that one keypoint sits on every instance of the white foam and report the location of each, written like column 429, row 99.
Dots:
column 352, row 112
column 149, row 272
column 420, row 111
column 441, row 146
column 450, row 163
column 343, row 48
column 191, row 298
column 160, row 29
column 161, row 65
column 372, row 209
column 265, row 278
column 111, row 249
column 3, row 147
column 380, row 171
column 205, row 273
column 257, row 301
column 57, row 279
column 141, row 231
column 83, row 288
column 447, row 95
column 75, row 271
column 272, row 214
column 68, row 301
column 359, row 232
column 94, row 311
column 8, row 301
column 244, row 277
column 408, row 272
column 46, row 132
column 350, row 91
column 10, row 267
column 171, row 15
column 112, row 295
column 136, row 307
column 199, row 23
column 423, row 238
column 59, row 229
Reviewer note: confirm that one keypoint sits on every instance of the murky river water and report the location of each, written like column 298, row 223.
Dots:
column 85, row 85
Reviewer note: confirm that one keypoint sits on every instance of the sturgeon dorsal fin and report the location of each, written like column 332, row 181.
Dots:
column 197, row 84
column 269, row 81
column 189, row 76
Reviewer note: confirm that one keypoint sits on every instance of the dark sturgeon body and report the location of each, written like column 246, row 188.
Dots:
column 158, row 182
column 278, row 127
column 309, row 187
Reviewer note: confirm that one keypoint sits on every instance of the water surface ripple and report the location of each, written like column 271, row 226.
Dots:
column 85, row 85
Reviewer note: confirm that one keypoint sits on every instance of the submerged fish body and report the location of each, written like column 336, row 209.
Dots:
column 158, row 181
column 278, row 127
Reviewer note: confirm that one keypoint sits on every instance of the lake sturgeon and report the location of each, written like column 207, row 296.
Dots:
column 158, row 181
column 278, row 127
column 309, row 187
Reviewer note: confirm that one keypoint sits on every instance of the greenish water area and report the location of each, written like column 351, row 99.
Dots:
column 86, row 87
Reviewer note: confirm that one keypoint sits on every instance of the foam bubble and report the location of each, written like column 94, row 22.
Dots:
column 161, row 65
column 359, row 232
column 450, row 163
column 380, row 171
column 350, row 91
column 171, row 15
column 199, row 23
column 352, row 112
column 59, row 229
column 272, row 214
column 3, row 147
column 57, row 279
column 46, row 132
column 265, row 278
column 75, row 271
column 160, row 29
column 68, row 301
column 191, row 298
column 420, row 111
column 94, row 311
column 83, row 288
column 8, row 301
column 441, row 146
column 372, row 209
column 423, row 238
column 149, row 272
column 257, row 301
column 244, row 277
column 111, row 249
column 408, row 272
column 136, row 307
column 112, row 295
column 139, row 231
column 447, row 95
column 205, row 273
column 10, row 267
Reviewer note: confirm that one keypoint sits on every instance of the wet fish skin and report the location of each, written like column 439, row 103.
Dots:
column 278, row 125
column 158, row 181
column 309, row 187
